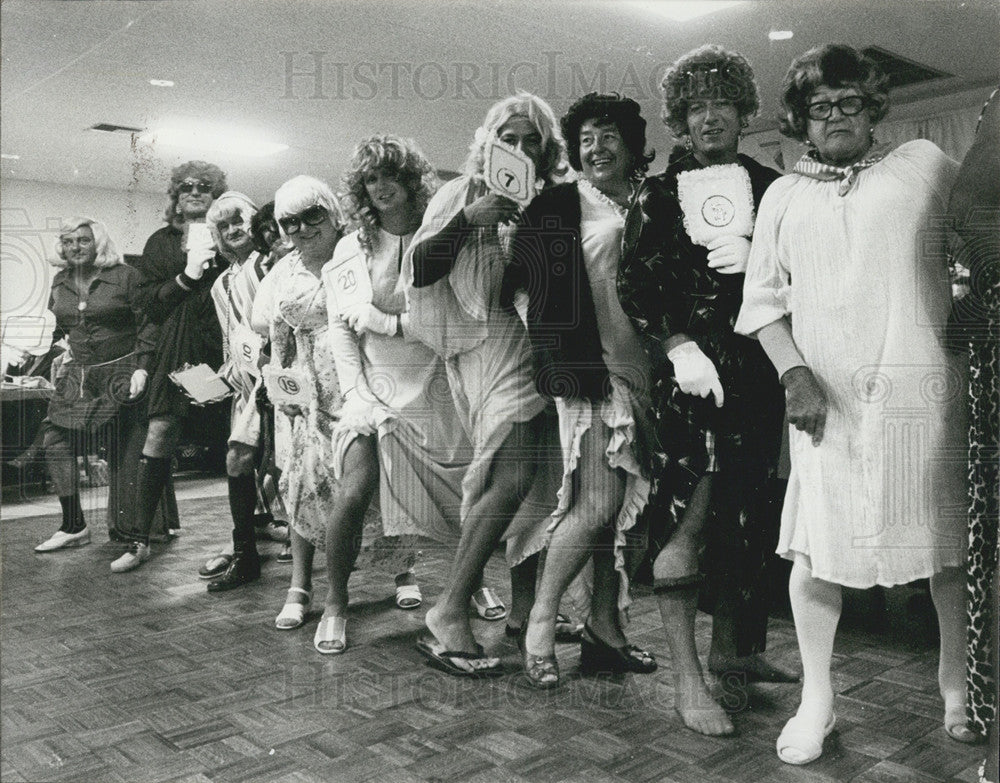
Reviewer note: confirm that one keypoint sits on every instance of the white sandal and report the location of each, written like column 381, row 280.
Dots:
column 331, row 635
column 292, row 614
column 487, row 605
column 408, row 597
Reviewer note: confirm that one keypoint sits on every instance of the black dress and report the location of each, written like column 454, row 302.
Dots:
column 189, row 333
column 666, row 287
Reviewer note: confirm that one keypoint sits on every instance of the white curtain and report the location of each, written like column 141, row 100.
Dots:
column 952, row 131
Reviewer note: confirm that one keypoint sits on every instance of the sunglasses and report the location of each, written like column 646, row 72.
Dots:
column 849, row 106
column 190, row 186
column 312, row 216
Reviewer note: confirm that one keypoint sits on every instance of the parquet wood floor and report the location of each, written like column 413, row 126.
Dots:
column 147, row 677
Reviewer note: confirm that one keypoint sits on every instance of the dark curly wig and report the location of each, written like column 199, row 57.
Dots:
column 193, row 169
column 832, row 65
column 707, row 73
column 263, row 220
column 394, row 157
column 613, row 109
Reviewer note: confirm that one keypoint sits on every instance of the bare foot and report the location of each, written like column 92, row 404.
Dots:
column 454, row 634
column 696, row 707
column 955, row 720
column 754, row 667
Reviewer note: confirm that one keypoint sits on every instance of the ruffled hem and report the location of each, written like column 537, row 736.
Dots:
column 576, row 417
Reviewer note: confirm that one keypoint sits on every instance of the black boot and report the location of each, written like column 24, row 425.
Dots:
column 245, row 565
column 244, row 568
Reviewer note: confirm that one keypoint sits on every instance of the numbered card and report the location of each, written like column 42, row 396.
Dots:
column 201, row 383
column 350, row 282
column 716, row 201
column 509, row 172
column 286, row 386
column 244, row 347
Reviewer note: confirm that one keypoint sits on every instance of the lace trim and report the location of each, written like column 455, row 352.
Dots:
column 597, row 195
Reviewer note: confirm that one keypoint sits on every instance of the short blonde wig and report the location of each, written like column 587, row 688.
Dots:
column 107, row 253
column 230, row 203
column 302, row 192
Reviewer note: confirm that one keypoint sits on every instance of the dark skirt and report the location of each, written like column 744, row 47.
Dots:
column 89, row 396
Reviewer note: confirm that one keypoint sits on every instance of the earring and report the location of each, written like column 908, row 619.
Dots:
column 687, row 143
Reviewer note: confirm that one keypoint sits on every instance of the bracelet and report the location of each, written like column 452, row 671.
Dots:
column 180, row 281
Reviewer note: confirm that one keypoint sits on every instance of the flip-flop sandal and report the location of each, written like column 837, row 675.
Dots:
column 293, row 615
column 480, row 665
column 331, row 636
column 487, row 605
column 408, row 597
column 797, row 736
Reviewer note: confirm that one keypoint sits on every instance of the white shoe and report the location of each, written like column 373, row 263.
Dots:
column 136, row 555
column 61, row 540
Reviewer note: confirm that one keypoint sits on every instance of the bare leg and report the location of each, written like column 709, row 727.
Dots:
column 343, row 531
column 523, row 577
column 677, row 562
column 948, row 593
column 302, row 564
column 509, row 480
column 599, row 492
column 604, row 617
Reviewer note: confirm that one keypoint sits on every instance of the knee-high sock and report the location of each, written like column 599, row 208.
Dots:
column 153, row 475
column 72, row 514
column 242, row 502
column 816, row 608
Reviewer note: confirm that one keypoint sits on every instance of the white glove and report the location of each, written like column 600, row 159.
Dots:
column 367, row 317
column 137, row 383
column 356, row 414
column 197, row 263
column 695, row 373
column 728, row 255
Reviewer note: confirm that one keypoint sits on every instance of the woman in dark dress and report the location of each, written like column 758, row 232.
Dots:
column 717, row 403
column 178, row 265
column 98, row 307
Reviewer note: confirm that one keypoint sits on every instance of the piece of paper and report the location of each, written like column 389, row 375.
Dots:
column 716, row 201
column 350, row 282
column 199, row 237
column 201, row 383
column 509, row 172
column 286, row 386
column 244, row 347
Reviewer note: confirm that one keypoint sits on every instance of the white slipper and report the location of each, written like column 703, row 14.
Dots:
column 798, row 744
column 331, row 635
column 408, row 596
column 487, row 605
column 292, row 614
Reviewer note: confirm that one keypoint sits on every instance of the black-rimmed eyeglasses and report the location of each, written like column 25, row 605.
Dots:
column 312, row 216
column 849, row 106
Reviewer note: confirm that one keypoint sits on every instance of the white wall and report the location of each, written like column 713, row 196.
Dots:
column 29, row 222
